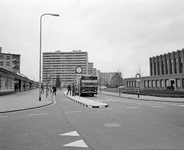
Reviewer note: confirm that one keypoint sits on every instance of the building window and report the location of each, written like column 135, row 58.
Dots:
column 1, row 57
column 8, row 57
column 1, row 63
column 161, row 83
column 166, row 66
column 7, row 63
column 178, row 83
column 175, row 67
column 171, row 66
column 145, row 84
column 158, row 67
column 166, row 83
column 153, row 83
column 183, row 83
column 180, row 65
column 157, row 83
column 149, row 83
column 162, row 67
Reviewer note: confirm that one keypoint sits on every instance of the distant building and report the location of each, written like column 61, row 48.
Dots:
column 9, row 61
column 90, row 68
column 64, row 64
column 105, row 77
column 166, row 71
column 116, row 80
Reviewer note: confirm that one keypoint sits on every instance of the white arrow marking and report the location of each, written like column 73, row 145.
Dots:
column 73, row 133
column 79, row 143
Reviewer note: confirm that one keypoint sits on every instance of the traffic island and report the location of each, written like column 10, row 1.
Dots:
column 86, row 102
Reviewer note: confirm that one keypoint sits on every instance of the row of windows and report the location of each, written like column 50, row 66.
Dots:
column 2, row 63
column 168, row 67
column 163, row 83
column 5, row 57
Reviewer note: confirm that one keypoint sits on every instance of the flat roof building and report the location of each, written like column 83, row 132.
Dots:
column 64, row 64
column 9, row 61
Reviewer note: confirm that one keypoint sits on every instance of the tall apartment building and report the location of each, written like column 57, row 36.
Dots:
column 64, row 64
column 9, row 61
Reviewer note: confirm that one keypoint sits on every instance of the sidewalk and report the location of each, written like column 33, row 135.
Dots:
column 145, row 98
column 86, row 102
column 24, row 101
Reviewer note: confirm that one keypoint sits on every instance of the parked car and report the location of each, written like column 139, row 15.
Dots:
column 102, row 87
column 121, row 87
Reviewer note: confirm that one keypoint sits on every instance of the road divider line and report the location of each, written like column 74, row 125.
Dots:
column 41, row 114
column 131, row 107
column 69, row 112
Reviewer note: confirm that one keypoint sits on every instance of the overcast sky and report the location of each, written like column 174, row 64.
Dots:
column 117, row 34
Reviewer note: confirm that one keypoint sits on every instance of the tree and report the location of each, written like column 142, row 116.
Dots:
column 58, row 82
column 139, row 70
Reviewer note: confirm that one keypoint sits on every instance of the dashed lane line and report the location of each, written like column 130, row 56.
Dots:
column 69, row 112
column 3, row 116
column 131, row 107
column 40, row 114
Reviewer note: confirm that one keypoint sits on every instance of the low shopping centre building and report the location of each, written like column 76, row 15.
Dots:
column 166, row 72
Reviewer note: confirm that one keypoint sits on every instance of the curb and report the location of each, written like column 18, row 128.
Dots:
column 86, row 105
column 143, row 99
column 29, row 108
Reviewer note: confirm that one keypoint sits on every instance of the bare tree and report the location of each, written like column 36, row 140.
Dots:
column 139, row 70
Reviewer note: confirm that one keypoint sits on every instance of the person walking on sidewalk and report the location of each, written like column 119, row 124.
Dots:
column 69, row 89
column 54, row 90
column 42, row 89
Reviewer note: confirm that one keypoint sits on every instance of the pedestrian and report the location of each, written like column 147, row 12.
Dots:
column 69, row 89
column 54, row 90
column 42, row 89
column 73, row 89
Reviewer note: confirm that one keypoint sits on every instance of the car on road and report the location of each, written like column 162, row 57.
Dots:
column 102, row 87
column 121, row 87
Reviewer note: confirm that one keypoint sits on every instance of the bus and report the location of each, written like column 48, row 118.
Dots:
column 86, row 85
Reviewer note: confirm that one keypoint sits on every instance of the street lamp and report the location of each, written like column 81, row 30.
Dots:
column 56, row 15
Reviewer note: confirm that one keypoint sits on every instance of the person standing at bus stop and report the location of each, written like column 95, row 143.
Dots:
column 69, row 89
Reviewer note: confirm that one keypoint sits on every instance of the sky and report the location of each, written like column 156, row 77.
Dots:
column 119, row 35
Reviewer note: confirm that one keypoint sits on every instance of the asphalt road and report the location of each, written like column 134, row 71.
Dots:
column 66, row 125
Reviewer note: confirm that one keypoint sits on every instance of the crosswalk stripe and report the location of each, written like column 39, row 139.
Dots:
column 79, row 143
column 73, row 133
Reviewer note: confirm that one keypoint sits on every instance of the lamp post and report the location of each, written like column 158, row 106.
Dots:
column 56, row 15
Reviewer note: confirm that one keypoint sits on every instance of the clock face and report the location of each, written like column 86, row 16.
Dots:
column 78, row 69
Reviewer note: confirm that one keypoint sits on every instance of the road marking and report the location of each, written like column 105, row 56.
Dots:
column 131, row 107
column 157, row 106
column 79, row 143
column 41, row 114
column 73, row 133
column 115, row 124
column 105, row 109
column 179, row 106
column 3, row 116
column 68, row 112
